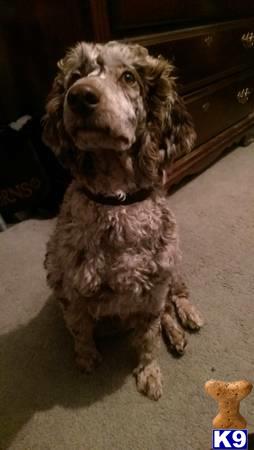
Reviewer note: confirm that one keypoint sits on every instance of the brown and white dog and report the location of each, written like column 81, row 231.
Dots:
column 115, row 119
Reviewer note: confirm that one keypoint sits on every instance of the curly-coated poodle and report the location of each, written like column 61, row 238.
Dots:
column 115, row 119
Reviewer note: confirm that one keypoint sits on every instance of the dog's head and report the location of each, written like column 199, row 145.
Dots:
column 118, row 97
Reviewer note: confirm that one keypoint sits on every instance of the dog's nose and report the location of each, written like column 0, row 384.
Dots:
column 83, row 98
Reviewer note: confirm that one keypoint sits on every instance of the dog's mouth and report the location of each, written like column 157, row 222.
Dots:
column 101, row 136
column 86, row 130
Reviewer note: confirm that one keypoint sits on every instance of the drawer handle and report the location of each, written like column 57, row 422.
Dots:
column 206, row 106
column 208, row 40
column 243, row 96
column 248, row 40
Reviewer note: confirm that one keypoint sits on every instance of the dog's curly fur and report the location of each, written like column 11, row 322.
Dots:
column 118, row 261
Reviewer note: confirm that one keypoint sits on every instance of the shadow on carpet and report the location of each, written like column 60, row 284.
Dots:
column 38, row 371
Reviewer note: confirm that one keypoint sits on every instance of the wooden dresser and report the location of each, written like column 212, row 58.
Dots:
column 210, row 42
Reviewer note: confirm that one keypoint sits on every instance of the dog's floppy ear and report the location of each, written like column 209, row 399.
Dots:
column 169, row 125
column 178, row 135
column 54, row 134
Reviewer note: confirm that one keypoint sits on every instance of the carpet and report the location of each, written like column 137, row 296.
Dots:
column 46, row 404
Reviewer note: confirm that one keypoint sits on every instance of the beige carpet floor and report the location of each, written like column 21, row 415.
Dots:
column 45, row 404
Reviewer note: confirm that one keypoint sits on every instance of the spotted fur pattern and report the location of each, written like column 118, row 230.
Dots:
column 119, row 261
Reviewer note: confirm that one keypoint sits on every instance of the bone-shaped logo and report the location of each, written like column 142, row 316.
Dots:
column 228, row 396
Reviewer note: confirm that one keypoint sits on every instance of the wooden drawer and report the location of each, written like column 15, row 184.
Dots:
column 133, row 15
column 221, row 105
column 204, row 54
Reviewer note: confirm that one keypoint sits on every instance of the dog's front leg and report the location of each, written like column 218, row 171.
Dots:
column 81, row 326
column 147, row 341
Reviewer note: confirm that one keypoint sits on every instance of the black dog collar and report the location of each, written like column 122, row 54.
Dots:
column 112, row 200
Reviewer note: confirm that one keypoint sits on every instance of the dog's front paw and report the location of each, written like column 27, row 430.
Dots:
column 88, row 360
column 149, row 380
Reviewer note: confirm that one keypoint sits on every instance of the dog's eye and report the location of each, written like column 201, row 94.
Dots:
column 128, row 77
column 74, row 77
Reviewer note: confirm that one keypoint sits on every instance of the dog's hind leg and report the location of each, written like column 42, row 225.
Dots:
column 188, row 314
column 146, row 341
column 172, row 331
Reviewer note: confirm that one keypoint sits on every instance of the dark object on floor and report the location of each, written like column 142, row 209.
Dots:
column 251, row 441
column 31, row 179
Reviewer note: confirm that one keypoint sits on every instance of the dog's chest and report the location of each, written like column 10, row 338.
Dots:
column 133, row 274
column 122, row 257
